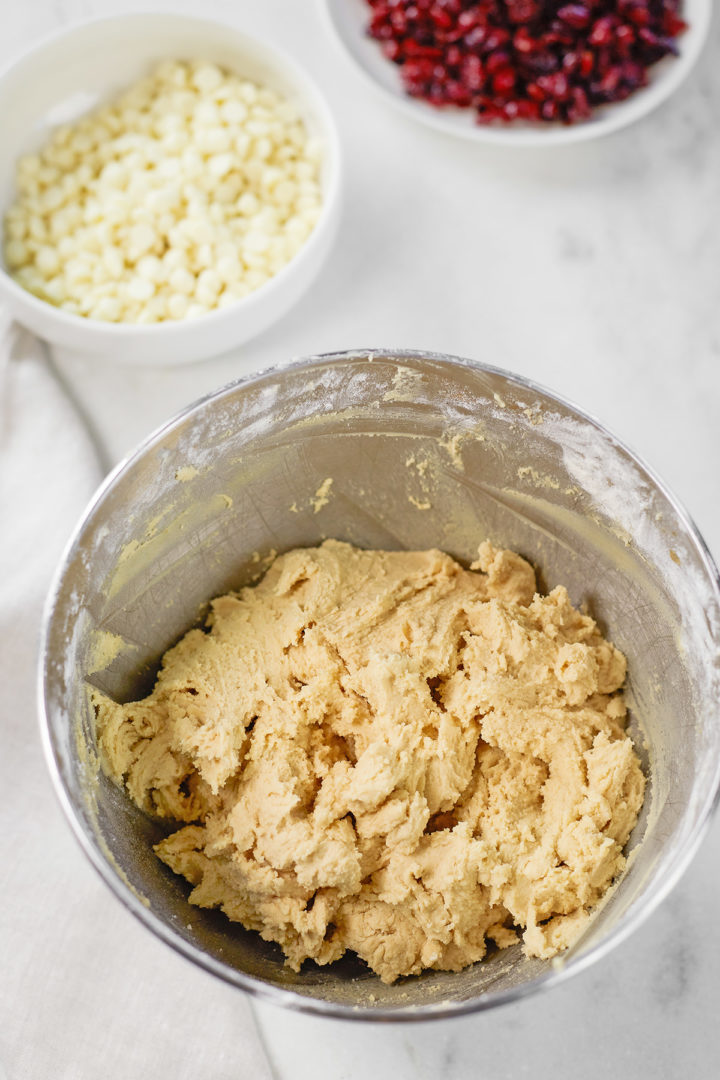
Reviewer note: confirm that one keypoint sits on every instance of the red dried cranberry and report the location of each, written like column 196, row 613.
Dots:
column 417, row 70
column 522, row 11
column 523, row 41
column 535, row 92
column 554, row 86
column 575, row 15
column 638, row 13
column 625, row 38
column 587, row 63
column 634, row 75
column 427, row 52
column 497, row 61
column 503, row 81
column 392, row 49
column 476, row 38
column 399, row 21
column 580, row 107
column 655, row 41
column 542, row 63
column 525, row 59
column 457, row 93
column 468, row 19
column 528, row 110
column 608, row 84
column 672, row 24
column 497, row 39
column 603, row 31
column 441, row 18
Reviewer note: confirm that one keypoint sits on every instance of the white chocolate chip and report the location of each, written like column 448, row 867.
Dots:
column 187, row 193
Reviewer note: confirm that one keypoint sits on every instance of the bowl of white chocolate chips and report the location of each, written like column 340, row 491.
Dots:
column 167, row 194
column 385, row 685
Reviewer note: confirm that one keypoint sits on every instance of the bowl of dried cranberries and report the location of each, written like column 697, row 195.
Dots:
column 524, row 72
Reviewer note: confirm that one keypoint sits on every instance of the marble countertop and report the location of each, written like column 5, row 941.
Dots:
column 592, row 270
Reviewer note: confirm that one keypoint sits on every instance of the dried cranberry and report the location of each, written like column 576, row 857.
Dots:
column 497, row 61
column 603, row 31
column 580, row 107
column 608, row 84
column 554, row 86
column 441, row 18
column 672, row 24
column 570, row 62
column 457, row 93
column 427, row 52
column 468, row 19
column 587, row 63
column 472, row 72
column 523, row 41
column 634, row 75
column 392, row 49
column 522, row 11
column 417, row 70
column 625, row 38
column 655, row 41
column 476, row 38
column 525, row 59
column 542, row 63
column 399, row 21
column 503, row 81
column 497, row 39
column 488, row 113
column 638, row 13
column 575, row 15
column 528, row 110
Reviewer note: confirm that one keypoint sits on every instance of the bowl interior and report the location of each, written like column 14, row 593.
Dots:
column 349, row 19
column 422, row 451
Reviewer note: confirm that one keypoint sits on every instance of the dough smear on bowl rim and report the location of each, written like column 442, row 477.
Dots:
column 386, row 753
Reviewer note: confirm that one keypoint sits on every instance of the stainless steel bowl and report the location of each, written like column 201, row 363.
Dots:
column 423, row 450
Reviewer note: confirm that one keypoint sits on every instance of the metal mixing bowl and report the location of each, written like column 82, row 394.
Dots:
column 423, row 451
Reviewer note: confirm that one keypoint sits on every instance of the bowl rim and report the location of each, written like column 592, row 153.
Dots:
column 562, row 968
column 624, row 113
column 318, row 104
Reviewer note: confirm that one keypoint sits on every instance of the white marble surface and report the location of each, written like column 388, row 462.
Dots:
column 592, row 270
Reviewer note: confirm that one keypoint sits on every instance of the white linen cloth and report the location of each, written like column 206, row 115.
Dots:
column 85, row 991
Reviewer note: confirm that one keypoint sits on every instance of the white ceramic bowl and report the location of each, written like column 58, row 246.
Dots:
column 348, row 20
column 68, row 74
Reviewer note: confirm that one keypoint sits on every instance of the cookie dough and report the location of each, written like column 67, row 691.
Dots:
column 387, row 753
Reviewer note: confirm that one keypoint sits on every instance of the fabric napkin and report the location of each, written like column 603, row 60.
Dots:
column 85, row 991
